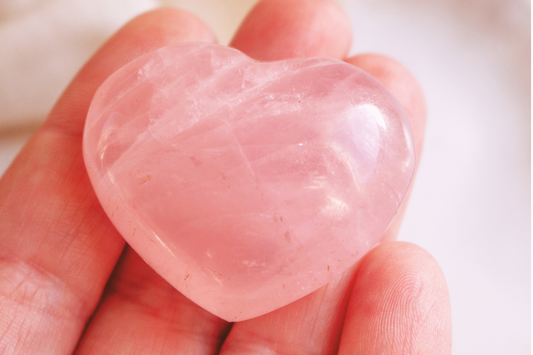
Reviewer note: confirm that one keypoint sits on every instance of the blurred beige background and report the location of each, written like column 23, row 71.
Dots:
column 471, row 205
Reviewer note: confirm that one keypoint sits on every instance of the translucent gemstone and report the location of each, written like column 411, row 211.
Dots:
column 247, row 185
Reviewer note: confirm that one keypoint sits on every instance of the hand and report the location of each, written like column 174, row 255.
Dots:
column 68, row 284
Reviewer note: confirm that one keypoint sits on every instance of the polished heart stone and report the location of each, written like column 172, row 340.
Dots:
column 247, row 185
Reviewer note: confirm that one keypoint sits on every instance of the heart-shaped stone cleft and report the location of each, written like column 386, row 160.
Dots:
column 247, row 185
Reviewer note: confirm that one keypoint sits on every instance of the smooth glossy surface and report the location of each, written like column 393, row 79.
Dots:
column 247, row 185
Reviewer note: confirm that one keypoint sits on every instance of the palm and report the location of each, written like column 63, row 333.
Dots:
column 58, row 250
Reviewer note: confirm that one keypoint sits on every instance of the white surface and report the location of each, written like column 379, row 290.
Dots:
column 44, row 43
column 470, row 207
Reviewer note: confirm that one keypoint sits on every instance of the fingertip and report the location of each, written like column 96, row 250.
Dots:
column 150, row 31
column 145, row 33
column 170, row 25
column 280, row 29
column 399, row 304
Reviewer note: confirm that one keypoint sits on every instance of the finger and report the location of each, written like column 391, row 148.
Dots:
column 399, row 304
column 144, row 34
column 279, row 29
column 404, row 86
column 312, row 324
column 57, row 247
column 142, row 313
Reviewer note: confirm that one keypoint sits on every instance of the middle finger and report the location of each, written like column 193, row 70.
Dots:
column 275, row 30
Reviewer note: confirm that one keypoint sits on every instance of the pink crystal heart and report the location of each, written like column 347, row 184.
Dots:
column 247, row 185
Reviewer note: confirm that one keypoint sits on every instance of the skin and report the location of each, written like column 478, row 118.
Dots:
column 68, row 283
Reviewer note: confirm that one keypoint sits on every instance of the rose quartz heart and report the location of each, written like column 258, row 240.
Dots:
column 247, row 185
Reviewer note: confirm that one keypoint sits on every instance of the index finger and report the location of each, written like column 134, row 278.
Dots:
column 57, row 247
